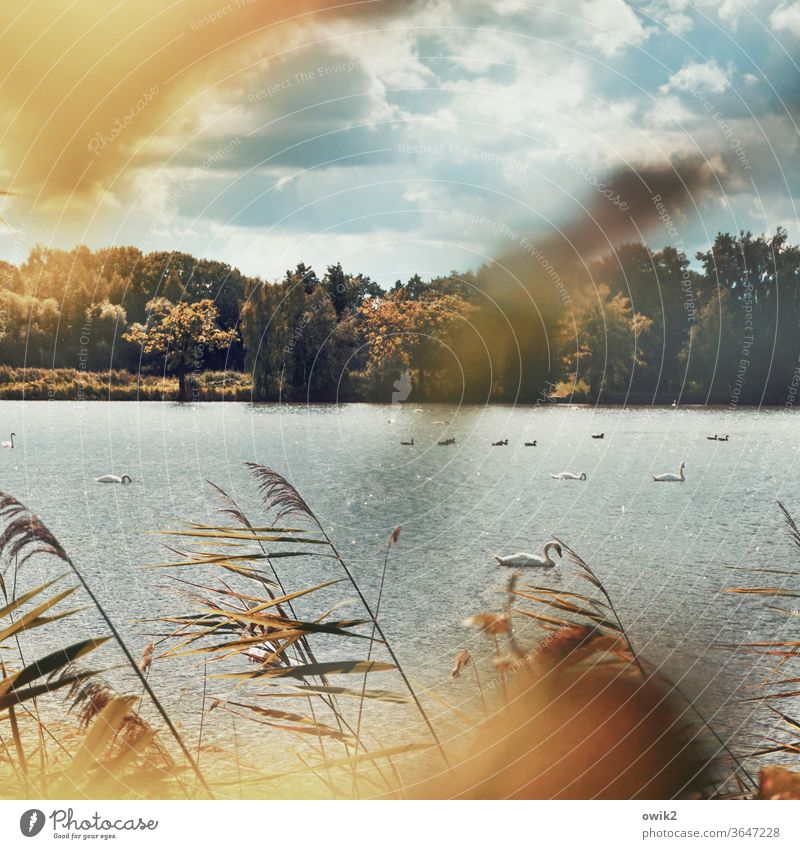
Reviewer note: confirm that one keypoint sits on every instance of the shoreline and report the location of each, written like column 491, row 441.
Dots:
column 44, row 384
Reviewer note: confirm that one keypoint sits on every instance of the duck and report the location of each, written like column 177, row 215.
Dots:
column 680, row 478
column 408, row 443
column 125, row 479
column 569, row 476
column 10, row 443
column 531, row 444
column 501, row 442
column 599, row 435
column 522, row 558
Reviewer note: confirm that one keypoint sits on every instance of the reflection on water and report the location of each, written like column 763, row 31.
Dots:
column 663, row 550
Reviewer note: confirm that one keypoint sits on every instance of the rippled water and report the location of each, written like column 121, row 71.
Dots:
column 661, row 549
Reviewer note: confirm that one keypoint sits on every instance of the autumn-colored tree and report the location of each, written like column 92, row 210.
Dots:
column 403, row 333
column 181, row 334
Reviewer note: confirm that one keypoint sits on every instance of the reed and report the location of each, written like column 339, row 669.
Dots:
column 577, row 713
column 781, row 684
column 118, row 746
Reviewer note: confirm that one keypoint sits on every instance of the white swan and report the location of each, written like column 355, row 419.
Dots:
column 569, row 476
column 114, row 479
column 670, row 477
column 9, row 444
column 523, row 559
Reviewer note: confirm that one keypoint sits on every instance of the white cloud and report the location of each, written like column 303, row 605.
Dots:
column 698, row 76
column 672, row 14
column 617, row 25
column 786, row 18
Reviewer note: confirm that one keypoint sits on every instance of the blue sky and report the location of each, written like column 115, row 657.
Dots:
column 415, row 141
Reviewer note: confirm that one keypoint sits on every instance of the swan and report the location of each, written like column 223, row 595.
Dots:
column 524, row 559
column 408, row 443
column 501, row 442
column 713, row 438
column 114, row 479
column 531, row 444
column 449, row 441
column 9, row 444
column 599, row 435
column 569, row 476
column 720, row 439
column 670, row 477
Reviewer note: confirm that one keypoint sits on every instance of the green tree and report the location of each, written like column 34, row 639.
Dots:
column 180, row 334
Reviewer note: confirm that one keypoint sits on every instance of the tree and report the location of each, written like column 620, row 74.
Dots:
column 609, row 342
column 181, row 334
column 402, row 333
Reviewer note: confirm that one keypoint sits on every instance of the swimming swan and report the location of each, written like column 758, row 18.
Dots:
column 114, row 479
column 670, row 477
column 523, row 559
column 408, row 443
column 599, row 435
column 531, row 444
column 569, row 476
column 9, row 444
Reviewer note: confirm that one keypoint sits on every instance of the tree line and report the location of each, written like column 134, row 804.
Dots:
column 636, row 325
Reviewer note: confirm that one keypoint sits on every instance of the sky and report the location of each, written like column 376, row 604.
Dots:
column 394, row 137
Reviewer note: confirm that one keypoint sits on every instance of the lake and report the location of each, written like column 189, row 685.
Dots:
column 662, row 550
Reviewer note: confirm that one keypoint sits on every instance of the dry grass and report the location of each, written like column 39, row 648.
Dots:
column 64, row 384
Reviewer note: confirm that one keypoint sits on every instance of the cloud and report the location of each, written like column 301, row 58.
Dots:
column 617, row 25
column 786, row 18
column 700, row 77
column 92, row 93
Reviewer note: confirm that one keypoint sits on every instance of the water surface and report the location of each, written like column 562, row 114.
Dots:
column 663, row 550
